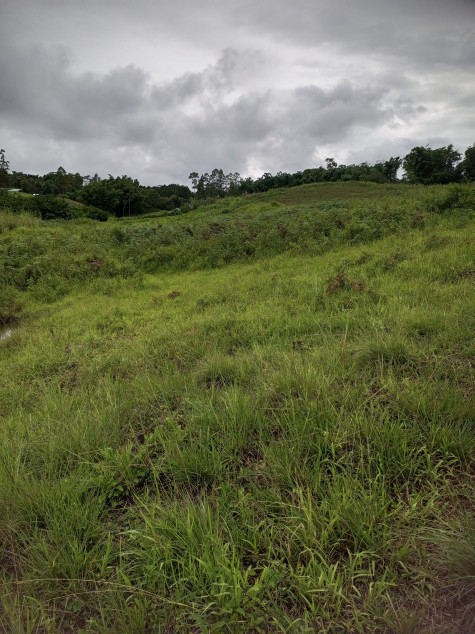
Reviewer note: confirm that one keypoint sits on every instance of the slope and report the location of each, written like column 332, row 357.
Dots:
column 200, row 437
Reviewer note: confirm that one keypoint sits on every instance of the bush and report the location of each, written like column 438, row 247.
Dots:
column 95, row 213
column 51, row 208
column 453, row 197
column 17, row 204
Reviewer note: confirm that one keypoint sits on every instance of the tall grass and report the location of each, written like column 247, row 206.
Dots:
column 282, row 443
column 10, row 220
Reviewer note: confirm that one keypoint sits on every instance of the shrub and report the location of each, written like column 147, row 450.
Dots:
column 51, row 208
column 453, row 197
column 95, row 213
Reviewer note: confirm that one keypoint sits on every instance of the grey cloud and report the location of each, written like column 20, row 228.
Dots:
column 28, row 76
column 44, row 93
column 180, row 90
column 278, row 128
column 212, row 83
column 421, row 32
column 329, row 114
column 121, row 89
column 248, row 120
column 279, row 80
column 405, row 108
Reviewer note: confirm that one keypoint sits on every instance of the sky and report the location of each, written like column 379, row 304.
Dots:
column 156, row 89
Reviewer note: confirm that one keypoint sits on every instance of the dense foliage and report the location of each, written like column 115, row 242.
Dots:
column 50, row 207
column 54, row 183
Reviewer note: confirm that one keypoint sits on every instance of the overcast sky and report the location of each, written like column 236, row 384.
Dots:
column 156, row 89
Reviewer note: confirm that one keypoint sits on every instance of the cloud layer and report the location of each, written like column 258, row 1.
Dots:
column 248, row 87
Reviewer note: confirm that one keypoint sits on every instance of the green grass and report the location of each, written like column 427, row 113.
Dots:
column 277, row 439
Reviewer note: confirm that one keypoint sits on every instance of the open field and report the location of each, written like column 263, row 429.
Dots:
column 253, row 417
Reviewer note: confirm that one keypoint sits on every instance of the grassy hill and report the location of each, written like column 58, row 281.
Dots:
column 254, row 417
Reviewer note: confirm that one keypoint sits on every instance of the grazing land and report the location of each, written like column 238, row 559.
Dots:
column 253, row 417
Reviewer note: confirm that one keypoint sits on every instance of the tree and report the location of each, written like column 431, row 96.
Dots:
column 233, row 184
column 202, row 186
column 121, row 196
column 374, row 175
column 467, row 166
column 247, row 185
column 60, row 179
column 391, row 168
column 216, row 185
column 4, row 170
column 429, row 167
column 101, row 194
column 266, row 182
column 331, row 163
column 194, row 177
column 28, row 183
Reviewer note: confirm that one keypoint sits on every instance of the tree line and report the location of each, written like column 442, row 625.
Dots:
column 117, row 196
column 123, row 196
column 422, row 165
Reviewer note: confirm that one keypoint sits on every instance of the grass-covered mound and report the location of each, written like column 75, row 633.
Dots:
column 255, row 417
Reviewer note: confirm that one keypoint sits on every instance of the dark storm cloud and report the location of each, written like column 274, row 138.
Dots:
column 159, row 89
column 40, row 91
column 416, row 31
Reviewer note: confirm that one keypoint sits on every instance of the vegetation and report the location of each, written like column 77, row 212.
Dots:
column 422, row 165
column 49, row 207
column 124, row 196
column 252, row 418
column 428, row 167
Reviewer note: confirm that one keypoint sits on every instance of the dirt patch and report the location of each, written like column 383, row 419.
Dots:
column 342, row 282
column 96, row 265
column 465, row 275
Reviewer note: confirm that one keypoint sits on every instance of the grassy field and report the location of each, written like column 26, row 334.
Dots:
column 253, row 417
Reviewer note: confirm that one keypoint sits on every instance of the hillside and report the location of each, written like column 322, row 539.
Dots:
column 252, row 417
